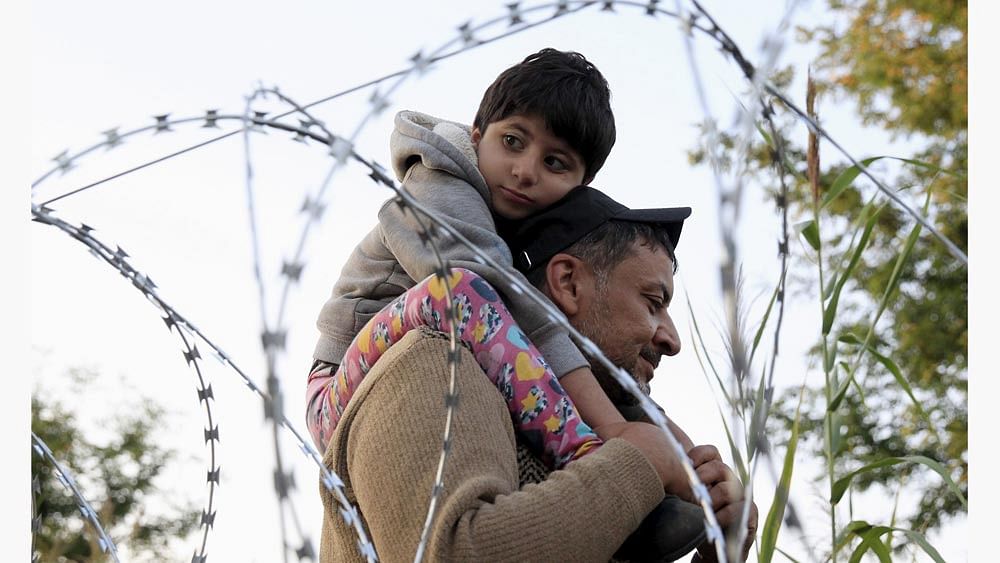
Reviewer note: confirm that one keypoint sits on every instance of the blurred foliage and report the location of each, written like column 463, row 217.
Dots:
column 119, row 479
column 903, row 65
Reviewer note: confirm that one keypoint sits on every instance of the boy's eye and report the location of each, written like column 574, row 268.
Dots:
column 512, row 141
column 556, row 164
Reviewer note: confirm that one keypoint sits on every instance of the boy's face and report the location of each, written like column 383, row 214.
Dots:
column 525, row 165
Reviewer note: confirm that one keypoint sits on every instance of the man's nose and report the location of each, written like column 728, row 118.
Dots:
column 666, row 338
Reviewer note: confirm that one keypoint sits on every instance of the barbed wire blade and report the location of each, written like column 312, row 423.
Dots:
column 162, row 123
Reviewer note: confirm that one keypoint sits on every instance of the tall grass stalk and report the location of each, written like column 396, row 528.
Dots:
column 869, row 536
column 830, row 379
column 748, row 400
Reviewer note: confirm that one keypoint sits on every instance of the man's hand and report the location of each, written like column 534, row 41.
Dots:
column 728, row 499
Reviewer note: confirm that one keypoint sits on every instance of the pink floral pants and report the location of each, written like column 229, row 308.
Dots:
column 542, row 411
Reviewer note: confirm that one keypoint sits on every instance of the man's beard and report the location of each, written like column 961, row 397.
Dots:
column 593, row 327
column 618, row 395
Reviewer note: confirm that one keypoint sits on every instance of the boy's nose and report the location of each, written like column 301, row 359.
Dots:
column 524, row 172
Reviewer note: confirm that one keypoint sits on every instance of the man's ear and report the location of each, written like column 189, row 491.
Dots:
column 476, row 137
column 568, row 283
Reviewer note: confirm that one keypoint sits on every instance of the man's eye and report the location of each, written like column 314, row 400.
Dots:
column 555, row 164
column 655, row 304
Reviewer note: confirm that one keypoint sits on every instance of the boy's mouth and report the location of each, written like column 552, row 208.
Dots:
column 516, row 196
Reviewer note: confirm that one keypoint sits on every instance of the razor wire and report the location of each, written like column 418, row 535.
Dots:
column 272, row 341
column 378, row 175
column 212, row 117
column 173, row 319
column 515, row 18
column 517, row 283
column 728, row 220
column 66, row 478
column 340, row 150
column 64, row 161
column 144, row 284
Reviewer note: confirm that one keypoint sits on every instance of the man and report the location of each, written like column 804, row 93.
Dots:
column 387, row 446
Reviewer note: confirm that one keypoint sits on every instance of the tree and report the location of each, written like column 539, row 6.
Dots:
column 119, row 479
column 903, row 65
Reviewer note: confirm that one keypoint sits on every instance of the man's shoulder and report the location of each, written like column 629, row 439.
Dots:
column 416, row 372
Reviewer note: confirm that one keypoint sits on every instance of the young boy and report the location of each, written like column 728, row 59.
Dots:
column 543, row 127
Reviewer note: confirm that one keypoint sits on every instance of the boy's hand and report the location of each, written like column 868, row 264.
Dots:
column 728, row 498
column 654, row 445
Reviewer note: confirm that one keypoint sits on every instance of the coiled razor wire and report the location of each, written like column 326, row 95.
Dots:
column 36, row 520
column 714, row 532
column 144, row 284
column 515, row 18
column 173, row 319
column 728, row 220
column 65, row 161
column 340, row 150
column 429, row 232
column 272, row 341
column 66, row 478
column 403, row 198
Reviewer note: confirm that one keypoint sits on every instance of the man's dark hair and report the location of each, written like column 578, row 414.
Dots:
column 567, row 92
column 607, row 246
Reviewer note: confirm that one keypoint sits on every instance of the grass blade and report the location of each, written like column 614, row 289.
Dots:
column 830, row 313
column 870, row 541
column 757, row 419
column 864, row 530
column 920, row 540
column 844, row 180
column 896, row 373
column 810, row 232
column 787, row 556
column 847, row 177
column 763, row 324
column 866, row 345
column 737, row 456
column 776, row 514
column 842, row 391
column 853, row 528
column 708, row 358
column 838, row 489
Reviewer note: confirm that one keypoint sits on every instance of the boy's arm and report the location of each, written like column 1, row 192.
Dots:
column 600, row 414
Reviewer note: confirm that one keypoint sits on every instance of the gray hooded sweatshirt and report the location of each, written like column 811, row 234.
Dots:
column 437, row 164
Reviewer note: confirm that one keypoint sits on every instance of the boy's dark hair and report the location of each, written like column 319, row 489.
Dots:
column 565, row 90
column 607, row 246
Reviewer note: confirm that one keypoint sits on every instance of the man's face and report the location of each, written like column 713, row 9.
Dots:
column 629, row 321
column 525, row 165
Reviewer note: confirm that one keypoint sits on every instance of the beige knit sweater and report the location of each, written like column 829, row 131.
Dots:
column 386, row 450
